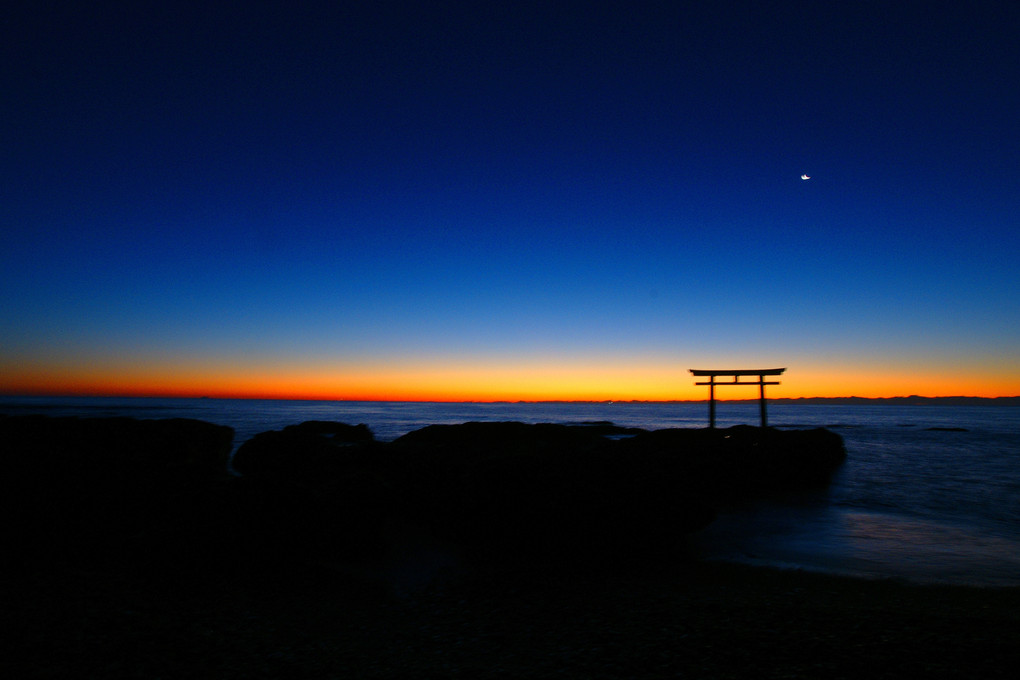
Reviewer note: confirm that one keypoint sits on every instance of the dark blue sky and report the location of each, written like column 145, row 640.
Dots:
column 513, row 198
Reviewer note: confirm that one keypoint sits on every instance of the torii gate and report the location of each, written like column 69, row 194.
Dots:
column 760, row 372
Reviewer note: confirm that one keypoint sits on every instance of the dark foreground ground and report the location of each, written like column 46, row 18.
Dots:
column 474, row 551
column 693, row 621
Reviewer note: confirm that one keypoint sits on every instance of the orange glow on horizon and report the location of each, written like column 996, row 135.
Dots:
column 534, row 381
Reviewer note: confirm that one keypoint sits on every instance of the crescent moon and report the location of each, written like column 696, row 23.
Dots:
column 805, row 177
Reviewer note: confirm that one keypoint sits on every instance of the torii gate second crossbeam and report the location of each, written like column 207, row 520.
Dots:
column 760, row 372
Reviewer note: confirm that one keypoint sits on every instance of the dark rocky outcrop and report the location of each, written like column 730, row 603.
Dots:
column 311, row 449
column 328, row 493
column 511, row 490
column 115, row 449
column 514, row 490
column 313, row 491
column 85, row 489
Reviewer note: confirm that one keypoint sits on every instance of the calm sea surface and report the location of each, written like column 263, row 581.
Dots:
column 910, row 502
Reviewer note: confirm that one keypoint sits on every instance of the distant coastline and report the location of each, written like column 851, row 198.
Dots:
column 912, row 400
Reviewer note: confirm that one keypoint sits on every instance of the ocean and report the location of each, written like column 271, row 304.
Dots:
column 914, row 503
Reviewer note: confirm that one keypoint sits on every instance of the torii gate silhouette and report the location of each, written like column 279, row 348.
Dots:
column 760, row 372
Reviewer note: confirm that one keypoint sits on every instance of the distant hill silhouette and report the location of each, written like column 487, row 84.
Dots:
column 897, row 401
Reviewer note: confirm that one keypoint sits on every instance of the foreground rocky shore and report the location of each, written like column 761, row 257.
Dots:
column 479, row 550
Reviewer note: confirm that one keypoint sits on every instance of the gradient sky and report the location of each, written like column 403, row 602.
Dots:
column 509, row 200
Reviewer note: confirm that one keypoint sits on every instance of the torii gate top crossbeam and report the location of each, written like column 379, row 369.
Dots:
column 742, row 371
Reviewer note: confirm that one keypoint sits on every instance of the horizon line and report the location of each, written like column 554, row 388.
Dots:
column 488, row 401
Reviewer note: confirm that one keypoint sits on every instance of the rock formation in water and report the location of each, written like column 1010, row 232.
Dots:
column 511, row 490
column 323, row 492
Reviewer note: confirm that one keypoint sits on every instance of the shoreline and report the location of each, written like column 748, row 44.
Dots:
column 895, row 546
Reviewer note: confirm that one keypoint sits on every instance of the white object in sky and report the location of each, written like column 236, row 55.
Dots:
column 805, row 177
